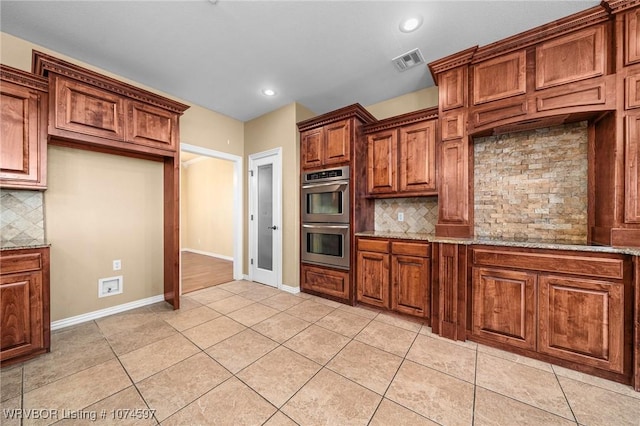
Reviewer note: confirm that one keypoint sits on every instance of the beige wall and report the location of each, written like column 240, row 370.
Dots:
column 273, row 130
column 421, row 99
column 98, row 208
column 85, row 185
column 207, row 213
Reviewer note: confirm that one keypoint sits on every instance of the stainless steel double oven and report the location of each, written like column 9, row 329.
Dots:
column 325, row 217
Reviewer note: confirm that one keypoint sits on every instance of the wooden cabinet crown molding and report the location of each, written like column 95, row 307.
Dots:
column 577, row 21
column 617, row 6
column 43, row 64
column 401, row 120
column 23, row 78
column 450, row 62
column 351, row 111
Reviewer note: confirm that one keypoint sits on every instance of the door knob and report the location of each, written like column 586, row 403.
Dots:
column 272, row 227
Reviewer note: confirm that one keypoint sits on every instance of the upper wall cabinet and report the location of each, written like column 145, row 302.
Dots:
column 571, row 58
column 97, row 110
column 326, row 145
column 499, row 78
column 401, row 155
column 330, row 139
column 632, row 37
column 23, row 135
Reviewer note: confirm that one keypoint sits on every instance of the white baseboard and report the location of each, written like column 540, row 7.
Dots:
column 289, row 289
column 246, row 277
column 206, row 253
column 90, row 316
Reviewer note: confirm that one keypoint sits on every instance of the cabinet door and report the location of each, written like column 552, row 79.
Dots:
column 632, row 37
column 337, row 144
column 410, row 285
column 582, row 320
column 417, row 157
column 632, row 168
column 373, row 278
column 88, row 110
column 504, row 306
column 453, row 88
column 454, row 194
column 151, row 126
column 382, row 160
column 500, row 78
column 22, row 137
column 570, row 58
column 21, row 319
column 311, row 142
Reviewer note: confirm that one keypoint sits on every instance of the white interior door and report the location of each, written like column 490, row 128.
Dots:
column 265, row 217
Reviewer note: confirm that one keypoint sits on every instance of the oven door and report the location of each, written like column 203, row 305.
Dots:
column 326, row 245
column 326, row 202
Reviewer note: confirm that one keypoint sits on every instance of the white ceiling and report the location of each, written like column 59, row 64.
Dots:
column 322, row 54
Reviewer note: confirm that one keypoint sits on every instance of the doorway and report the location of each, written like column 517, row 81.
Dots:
column 265, row 217
column 211, row 217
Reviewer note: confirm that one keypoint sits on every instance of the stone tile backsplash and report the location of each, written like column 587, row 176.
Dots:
column 532, row 185
column 420, row 214
column 21, row 218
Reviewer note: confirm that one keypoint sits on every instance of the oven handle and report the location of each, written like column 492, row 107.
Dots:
column 326, row 226
column 317, row 185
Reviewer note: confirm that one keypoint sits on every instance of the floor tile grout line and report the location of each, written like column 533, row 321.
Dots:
column 475, row 388
column 575, row 418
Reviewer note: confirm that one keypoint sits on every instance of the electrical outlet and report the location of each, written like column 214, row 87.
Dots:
column 400, row 217
column 117, row 265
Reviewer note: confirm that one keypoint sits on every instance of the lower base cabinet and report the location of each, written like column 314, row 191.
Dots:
column 24, row 304
column 395, row 275
column 551, row 310
column 325, row 281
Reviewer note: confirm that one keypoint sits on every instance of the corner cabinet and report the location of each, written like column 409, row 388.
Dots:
column 24, row 304
column 23, row 137
column 401, row 155
column 394, row 275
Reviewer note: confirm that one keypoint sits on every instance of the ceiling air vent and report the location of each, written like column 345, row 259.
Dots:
column 408, row 60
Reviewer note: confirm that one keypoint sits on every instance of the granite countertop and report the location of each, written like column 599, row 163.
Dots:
column 505, row 242
column 19, row 245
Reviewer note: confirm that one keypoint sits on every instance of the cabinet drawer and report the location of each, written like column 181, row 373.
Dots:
column 380, row 246
column 411, row 249
column 327, row 281
column 552, row 262
column 20, row 263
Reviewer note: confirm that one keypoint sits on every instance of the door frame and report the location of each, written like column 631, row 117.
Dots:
column 237, row 203
column 253, row 225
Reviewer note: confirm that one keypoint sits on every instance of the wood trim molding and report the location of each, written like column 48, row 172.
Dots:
column 355, row 110
column 43, row 64
column 401, row 120
column 617, row 6
column 452, row 61
column 24, row 78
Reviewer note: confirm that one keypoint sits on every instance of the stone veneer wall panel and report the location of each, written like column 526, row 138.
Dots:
column 420, row 214
column 21, row 218
column 532, row 185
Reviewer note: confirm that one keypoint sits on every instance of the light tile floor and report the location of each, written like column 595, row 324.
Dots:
column 243, row 353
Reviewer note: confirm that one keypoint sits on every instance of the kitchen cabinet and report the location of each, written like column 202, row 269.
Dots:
column 570, row 306
column 325, row 281
column 410, row 278
column 504, row 306
column 329, row 145
column 24, row 304
column 582, row 320
column 93, row 110
column 632, row 37
column 401, row 155
column 23, row 134
column 632, row 168
column 394, row 274
column 372, row 274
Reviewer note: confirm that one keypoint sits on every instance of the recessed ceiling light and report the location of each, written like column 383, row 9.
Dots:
column 268, row 92
column 410, row 24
